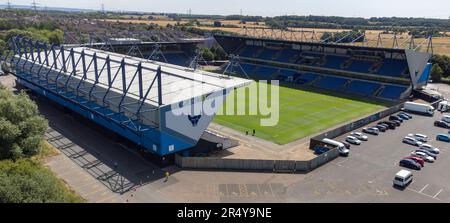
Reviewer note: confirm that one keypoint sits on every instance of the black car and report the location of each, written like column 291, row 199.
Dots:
column 382, row 128
column 346, row 144
column 395, row 118
column 441, row 124
column 388, row 123
column 406, row 114
column 409, row 163
column 397, row 123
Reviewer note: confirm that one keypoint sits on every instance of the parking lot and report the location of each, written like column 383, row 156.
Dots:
column 384, row 152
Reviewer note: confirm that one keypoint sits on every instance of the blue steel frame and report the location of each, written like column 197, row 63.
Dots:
column 25, row 50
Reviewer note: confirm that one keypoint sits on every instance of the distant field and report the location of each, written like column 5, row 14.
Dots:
column 302, row 113
column 441, row 45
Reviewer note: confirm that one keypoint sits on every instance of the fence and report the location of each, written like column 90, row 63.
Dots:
column 277, row 166
column 358, row 124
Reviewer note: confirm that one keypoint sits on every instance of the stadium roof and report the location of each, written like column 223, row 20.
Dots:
column 178, row 83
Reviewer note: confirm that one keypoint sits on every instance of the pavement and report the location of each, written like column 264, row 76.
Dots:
column 88, row 156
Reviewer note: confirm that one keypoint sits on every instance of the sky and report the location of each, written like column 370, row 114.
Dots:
column 347, row 8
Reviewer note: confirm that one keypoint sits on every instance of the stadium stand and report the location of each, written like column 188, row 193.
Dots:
column 331, row 83
column 307, row 78
column 370, row 72
column 392, row 92
column 363, row 88
column 393, row 67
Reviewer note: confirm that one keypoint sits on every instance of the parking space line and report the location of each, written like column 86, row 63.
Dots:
column 424, row 188
column 435, row 196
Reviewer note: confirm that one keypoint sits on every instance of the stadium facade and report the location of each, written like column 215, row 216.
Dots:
column 379, row 73
column 130, row 96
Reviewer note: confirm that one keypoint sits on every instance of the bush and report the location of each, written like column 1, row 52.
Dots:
column 207, row 54
column 21, row 127
column 26, row 181
column 436, row 73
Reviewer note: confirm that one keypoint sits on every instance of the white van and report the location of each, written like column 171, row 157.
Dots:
column 403, row 178
column 340, row 146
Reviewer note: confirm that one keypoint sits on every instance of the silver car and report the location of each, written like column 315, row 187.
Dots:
column 353, row 140
column 412, row 141
column 360, row 136
column 423, row 156
column 420, row 137
column 430, row 148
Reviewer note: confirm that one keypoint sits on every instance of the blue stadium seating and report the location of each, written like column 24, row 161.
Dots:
column 334, row 62
column 392, row 92
column 248, row 68
column 265, row 73
column 393, row 67
column 360, row 66
column 331, row 83
column 249, row 51
column 287, row 55
column 306, row 78
column 267, row 54
column 176, row 58
column 362, row 87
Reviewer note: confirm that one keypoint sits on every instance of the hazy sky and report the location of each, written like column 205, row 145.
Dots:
column 361, row 8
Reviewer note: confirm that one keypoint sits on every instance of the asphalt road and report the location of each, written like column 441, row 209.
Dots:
column 367, row 174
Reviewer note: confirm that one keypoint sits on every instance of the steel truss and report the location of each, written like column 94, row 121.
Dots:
column 34, row 58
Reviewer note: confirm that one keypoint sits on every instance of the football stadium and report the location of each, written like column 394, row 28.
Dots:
column 322, row 84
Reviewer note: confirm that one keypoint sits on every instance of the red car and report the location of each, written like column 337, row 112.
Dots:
column 417, row 160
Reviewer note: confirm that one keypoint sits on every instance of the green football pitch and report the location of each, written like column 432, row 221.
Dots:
column 302, row 113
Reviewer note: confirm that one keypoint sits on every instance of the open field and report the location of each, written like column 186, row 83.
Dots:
column 302, row 113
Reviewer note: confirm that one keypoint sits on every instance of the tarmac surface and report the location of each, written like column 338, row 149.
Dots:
column 99, row 168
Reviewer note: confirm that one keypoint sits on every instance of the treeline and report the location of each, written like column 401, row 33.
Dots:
column 441, row 67
column 47, row 32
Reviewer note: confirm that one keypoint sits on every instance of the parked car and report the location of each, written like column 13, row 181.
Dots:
column 412, row 141
column 408, row 163
column 418, row 160
column 395, row 118
column 446, row 118
column 403, row 116
column 406, row 114
column 443, row 138
column 423, row 156
column 382, row 128
column 360, row 136
column 397, row 123
column 403, row 178
column 353, row 140
column 430, row 148
column 428, row 153
column 372, row 131
column 346, row 144
column 389, row 124
column 441, row 124
column 420, row 137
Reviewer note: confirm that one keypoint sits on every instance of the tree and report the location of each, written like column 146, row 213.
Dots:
column 22, row 129
column 207, row 54
column 436, row 73
column 26, row 181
